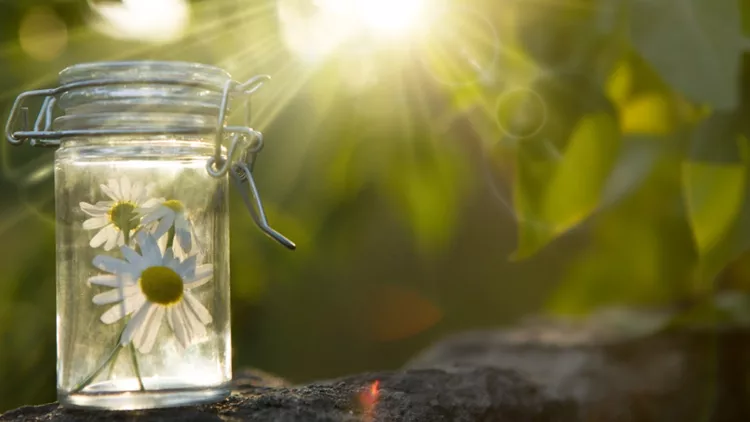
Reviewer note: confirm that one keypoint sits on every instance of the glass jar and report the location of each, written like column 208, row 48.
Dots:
column 142, row 223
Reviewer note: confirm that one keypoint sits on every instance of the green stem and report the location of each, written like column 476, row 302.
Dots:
column 109, row 361
column 170, row 237
column 136, row 367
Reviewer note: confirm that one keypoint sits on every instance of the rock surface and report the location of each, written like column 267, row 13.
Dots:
column 675, row 375
column 456, row 394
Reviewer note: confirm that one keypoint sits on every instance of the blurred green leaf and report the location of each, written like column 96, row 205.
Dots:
column 428, row 189
column 574, row 184
column 638, row 247
column 713, row 197
column 695, row 45
column 717, row 193
column 745, row 16
column 574, row 34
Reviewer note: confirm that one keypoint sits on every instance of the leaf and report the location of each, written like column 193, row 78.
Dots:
column 716, row 191
column 427, row 189
column 552, row 196
column 638, row 248
column 695, row 45
column 713, row 197
column 745, row 15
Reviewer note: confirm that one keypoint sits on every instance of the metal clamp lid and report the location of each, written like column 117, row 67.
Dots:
column 244, row 146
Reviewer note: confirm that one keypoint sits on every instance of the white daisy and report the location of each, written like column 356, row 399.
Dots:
column 152, row 285
column 169, row 214
column 113, row 218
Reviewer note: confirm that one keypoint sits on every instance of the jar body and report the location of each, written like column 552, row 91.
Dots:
column 143, row 314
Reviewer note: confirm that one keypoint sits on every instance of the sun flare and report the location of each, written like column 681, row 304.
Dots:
column 382, row 17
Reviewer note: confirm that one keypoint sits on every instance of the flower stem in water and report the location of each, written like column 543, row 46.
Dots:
column 136, row 367
column 109, row 361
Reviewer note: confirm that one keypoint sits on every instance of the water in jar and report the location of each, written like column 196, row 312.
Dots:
column 142, row 274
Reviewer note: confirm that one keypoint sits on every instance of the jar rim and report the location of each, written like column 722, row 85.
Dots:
column 150, row 105
column 143, row 68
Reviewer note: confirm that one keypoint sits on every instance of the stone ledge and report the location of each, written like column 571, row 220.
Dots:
column 463, row 393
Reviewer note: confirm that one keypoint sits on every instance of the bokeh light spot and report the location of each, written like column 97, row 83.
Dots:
column 399, row 312
column 43, row 35
column 143, row 20
column 521, row 112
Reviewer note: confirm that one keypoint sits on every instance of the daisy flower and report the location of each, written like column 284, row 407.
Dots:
column 168, row 214
column 152, row 286
column 117, row 216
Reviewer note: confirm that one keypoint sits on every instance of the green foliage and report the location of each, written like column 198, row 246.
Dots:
column 681, row 80
column 695, row 45
column 555, row 194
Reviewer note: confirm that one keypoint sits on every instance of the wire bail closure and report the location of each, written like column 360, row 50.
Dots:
column 244, row 146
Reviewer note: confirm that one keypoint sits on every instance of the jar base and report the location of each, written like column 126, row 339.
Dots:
column 140, row 400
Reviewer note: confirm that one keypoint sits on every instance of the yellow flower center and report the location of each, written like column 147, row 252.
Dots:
column 161, row 285
column 175, row 206
column 122, row 215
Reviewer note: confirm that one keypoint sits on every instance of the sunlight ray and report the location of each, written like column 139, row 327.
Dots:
column 194, row 35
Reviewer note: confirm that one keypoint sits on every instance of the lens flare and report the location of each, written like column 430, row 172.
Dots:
column 462, row 50
column 384, row 17
column 143, row 20
column 315, row 28
column 521, row 112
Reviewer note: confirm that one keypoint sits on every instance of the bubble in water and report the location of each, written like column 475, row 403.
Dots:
column 520, row 112
column 462, row 49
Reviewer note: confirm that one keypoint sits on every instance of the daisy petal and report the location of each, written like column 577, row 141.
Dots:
column 112, row 265
column 132, row 256
column 135, row 323
column 197, row 308
column 156, row 214
column 127, row 307
column 150, row 249
column 112, row 238
column 186, row 268
column 114, row 186
column 115, row 295
column 152, row 330
column 105, row 280
column 196, row 328
column 109, row 192
column 164, row 225
column 100, row 237
column 188, row 325
column 202, row 275
column 93, row 210
column 181, row 222
column 168, row 257
column 183, row 237
column 150, row 204
column 179, row 327
column 95, row 223
column 136, row 190
column 141, row 332
column 125, row 189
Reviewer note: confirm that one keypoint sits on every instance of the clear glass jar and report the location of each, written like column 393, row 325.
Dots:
column 143, row 294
